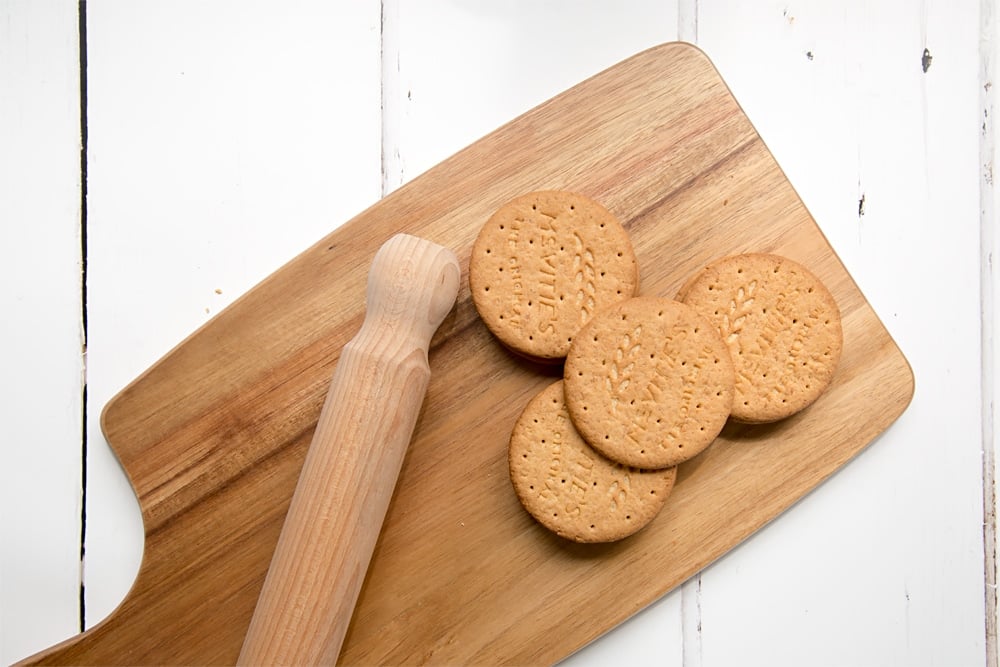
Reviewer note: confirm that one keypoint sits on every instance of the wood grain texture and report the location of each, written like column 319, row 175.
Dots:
column 213, row 436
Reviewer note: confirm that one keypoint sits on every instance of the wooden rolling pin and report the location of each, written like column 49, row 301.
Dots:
column 353, row 461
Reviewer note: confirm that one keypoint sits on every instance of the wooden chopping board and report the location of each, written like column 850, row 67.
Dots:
column 213, row 435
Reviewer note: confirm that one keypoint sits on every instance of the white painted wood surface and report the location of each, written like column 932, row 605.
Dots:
column 40, row 326
column 226, row 137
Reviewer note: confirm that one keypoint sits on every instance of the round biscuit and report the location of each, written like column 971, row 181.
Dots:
column 649, row 382
column 782, row 327
column 571, row 489
column 543, row 264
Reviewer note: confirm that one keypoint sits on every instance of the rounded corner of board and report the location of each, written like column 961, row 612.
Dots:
column 680, row 48
column 909, row 382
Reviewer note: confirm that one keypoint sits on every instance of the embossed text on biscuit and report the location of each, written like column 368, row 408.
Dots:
column 548, row 293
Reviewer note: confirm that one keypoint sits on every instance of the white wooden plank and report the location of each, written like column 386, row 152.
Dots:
column 513, row 56
column 41, row 396
column 225, row 138
column 989, row 53
column 884, row 563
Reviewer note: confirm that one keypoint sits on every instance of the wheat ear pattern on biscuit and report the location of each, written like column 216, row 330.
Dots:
column 781, row 325
column 543, row 264
column 649, row 382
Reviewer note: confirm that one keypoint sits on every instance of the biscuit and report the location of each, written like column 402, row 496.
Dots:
column 543, row 264
column 649, row 382
column 571, row 489
column 782, row 327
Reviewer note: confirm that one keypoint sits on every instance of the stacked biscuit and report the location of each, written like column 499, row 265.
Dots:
column 648, row 381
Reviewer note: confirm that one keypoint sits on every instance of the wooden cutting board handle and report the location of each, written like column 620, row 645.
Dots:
column 354, row 459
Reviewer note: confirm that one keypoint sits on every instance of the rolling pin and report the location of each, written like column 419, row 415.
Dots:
column 353, row 461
